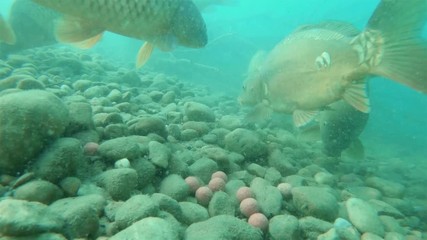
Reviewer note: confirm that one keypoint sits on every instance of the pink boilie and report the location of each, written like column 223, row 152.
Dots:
column 90, row 148
column 243, row 193
column 216, row 184
column 258, row 220
column 249, row 206
column 193, row 183
column 219, row 174
column 204, row 195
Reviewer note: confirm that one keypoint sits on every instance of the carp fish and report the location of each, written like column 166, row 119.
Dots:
column 338, row 128
column 162, row 24
column 7, row 34
column 33, row 26
column 320, row 64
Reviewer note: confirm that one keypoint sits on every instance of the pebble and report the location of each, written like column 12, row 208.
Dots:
column 135, row 208
column 364, row 217
column 119, row 183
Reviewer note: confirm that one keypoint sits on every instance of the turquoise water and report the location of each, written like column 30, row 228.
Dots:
column 397, row 127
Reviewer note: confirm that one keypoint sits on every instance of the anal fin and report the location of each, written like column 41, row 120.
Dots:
column 144, row 54
column 79, row 32
column 357, row 96
column 302, row 117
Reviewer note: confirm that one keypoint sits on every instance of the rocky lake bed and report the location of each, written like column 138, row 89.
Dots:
column 90, row 150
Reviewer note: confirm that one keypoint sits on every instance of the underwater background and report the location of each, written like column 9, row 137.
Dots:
column 397, row 126
column 236, row 32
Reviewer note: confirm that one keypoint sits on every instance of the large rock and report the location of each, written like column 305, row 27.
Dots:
column 283, row 227
column 159, row 154
column 193, row 212
column 175, row 187
column 388, row 188
column 20, row 218
column 29, row 120
column 222, row 227
column 245, row 142
column 81, row 214
column 80, row 117
column 269, row 197
column 59, row 160
column 134, row 209
column 119, row 183
column 39, row 191
column 198, row 112
column 150, row 228
column 364, row 217
column 315, row 201
column 118, row 148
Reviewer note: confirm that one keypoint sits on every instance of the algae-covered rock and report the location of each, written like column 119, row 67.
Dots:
column 61, row 159
column 150, row 228
column 29, row 120
column 245, row 142
column 19, row 218
column 315, row 201
column 222, row 227
column 119, row 183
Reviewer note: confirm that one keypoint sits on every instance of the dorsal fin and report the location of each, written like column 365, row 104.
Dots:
column 344, row 28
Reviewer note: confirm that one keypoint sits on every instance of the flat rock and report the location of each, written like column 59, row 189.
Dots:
column 222, row 227
column 159, row 154
column 81, row 214
column 118, row 148
column 119, row 183
column 364, row 217
column 269, row 198
column 315, row 201
column 175, row 187
column 59, row 160
column 245, row 142
column 150, row 228
column 20, row 218
column 388, row 188
column 135, row 209
column 198, row 112
column 39, row 191
column 29, row 120
column 283, row 227
column 193, row 212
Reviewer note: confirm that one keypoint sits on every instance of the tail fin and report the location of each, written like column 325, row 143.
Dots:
column 404, row 52
column 6, row 33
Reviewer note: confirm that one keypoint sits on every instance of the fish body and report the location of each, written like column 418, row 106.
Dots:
column 340, row 127
column 320, row 64
column 33, row 26
column 7, row 34
column 162, row 24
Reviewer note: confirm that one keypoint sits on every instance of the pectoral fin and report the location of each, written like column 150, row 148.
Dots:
column 301, row 117
column 144, row 54
column 356, row 95
column 79, row 32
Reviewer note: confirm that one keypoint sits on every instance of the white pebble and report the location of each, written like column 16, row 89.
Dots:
column 122, row 163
